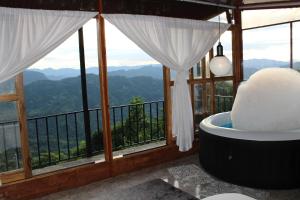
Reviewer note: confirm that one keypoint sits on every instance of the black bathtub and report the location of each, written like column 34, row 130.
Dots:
column 267, row 160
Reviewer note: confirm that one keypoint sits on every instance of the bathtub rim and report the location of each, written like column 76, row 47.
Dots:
column 209, row 125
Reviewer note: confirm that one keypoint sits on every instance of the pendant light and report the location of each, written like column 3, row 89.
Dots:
column 220, row 65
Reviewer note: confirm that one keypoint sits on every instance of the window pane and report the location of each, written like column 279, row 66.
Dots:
column 8, row 87
column 10, row 147
column 224, row 96
column 197, row 70
column 93, row 86
column 266, row 47
column 53, row 94
column 135, row 94
column 207, row 70
column 296, row 45
column 201, row 103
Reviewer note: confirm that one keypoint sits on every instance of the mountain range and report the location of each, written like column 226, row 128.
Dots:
column 154, row 71
column 49, row 91
column 128, row 71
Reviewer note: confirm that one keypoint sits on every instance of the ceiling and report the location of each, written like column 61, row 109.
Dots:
column 262, row 1
column 84, row 5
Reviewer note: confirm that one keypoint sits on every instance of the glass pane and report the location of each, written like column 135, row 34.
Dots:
column 207, row 70
column 136, row 96
column 266, row 47
column 197, row 71
column 10, row 147
column 8, row 87
column 58, row 137
column 201, row 102
column 93, row 88
column 224, row 96
column 296, row 45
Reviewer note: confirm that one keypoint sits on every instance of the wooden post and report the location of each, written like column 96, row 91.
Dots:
column 104, row 87
column 84, row 95
column 23, row 127
column 191, row 78
column 168, row 105
column 213, row 88
column 237, row 50
column 291, row 46
column 204, row 85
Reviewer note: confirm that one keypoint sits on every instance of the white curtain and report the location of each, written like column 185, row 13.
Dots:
column 27, row 35
column 178, row 44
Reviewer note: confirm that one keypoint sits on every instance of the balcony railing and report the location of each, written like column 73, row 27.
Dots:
column 61, row 137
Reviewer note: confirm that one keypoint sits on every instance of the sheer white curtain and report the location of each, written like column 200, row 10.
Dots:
column 178, row 44
column 27, row 35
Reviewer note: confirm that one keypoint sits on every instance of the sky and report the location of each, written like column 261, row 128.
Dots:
column 263, row 43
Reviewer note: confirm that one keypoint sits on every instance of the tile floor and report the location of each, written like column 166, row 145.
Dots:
column 184, row 173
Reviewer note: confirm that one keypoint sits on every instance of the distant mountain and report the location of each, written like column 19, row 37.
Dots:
column 65, row 95
column 59, row 74
column 253, row 65
column 263, row 63
column 32, row 76
column 154, row 72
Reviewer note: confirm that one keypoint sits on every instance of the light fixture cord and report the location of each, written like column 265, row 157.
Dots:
column 219, row 21
column 219, row 30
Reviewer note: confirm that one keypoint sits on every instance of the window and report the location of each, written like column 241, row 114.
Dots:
column 65, row 125
column 13, row 162
column 296, row 45
column 266, row 47
column 136, row 96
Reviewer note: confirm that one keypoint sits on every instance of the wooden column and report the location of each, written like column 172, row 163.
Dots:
column 104, row 87
column 237, row 50
column 23, row 127
column 84, row 95
column 168, row 104
column 204, row 85
column 291, row 46
column 191, row 82
column 213, row 88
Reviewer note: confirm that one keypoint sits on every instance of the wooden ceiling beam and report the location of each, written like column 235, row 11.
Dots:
column 166, row 8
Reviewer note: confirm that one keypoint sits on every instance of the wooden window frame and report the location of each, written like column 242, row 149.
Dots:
column 18, row 97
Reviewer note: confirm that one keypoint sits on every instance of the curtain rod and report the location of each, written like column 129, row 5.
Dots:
column 209, row 3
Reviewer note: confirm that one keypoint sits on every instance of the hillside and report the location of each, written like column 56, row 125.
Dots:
column 65, row 95
column 263, row 63
column 32, row 76
column 59, row 74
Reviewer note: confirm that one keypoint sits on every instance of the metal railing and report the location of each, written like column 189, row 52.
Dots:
column 61, row 137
